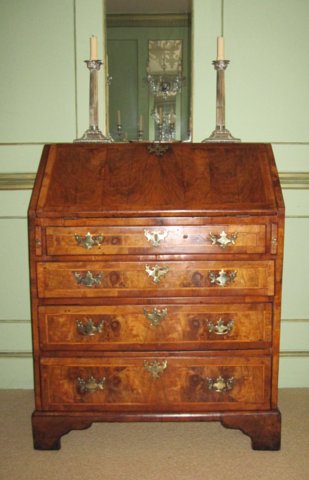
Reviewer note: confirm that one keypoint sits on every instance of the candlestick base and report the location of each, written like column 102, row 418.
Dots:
column 140, row 135
column 93, row 135
column 120, row 136
column 221, row 134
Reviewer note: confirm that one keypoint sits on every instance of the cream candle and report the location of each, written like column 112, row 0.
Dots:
column 93, row 48
column 161, row 115
column 141, row 122
column 118, row 117
column 220, row 48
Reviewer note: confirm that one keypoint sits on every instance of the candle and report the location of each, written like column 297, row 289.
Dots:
column 141, row 122
column 93, row 48
column 161, row 115
column 172, row 116
column 220, row 48
column 118, row 117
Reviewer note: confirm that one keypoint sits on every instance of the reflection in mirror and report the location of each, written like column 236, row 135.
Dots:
column 149, row 66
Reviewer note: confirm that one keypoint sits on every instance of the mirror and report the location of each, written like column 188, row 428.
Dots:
column 149, row 69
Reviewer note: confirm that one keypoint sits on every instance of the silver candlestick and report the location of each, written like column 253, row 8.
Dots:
column 220, row 134
column 140, row 135
column 121, row 136
column 93, row 134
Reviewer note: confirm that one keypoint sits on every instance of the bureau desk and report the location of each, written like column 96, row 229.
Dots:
column 156, row 287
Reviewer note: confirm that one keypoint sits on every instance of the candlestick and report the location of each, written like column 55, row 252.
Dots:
column 93, row 134
column 121, row 137
column 220, row 134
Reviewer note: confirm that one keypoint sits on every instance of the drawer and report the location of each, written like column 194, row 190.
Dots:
column 156, row 384
column 144, row 240
column 161, row 327
column 97, row 279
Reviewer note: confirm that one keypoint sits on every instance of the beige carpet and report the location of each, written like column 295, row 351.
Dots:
column 153, row 451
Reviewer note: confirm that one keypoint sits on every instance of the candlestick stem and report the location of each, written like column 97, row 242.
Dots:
column 93, row 98
column 93, row 134
column 220, row 134
column 160, row 131
column 220, row 101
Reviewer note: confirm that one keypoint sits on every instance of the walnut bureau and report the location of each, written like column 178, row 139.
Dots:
column 156, row 287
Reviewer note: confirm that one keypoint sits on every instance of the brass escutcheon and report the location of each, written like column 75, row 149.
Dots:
column 220, row 384
column 88, row 241
column 157, row 148
column 155, row 368
column 88, row 279
column 156, row 272
column 223, row 240
column 91, row 385
column 221, row 277
column 88, row 328
column 220, row 328
column 156, row 316
column 155, row 236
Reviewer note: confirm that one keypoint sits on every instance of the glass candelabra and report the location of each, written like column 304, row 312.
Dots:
column 165, row 128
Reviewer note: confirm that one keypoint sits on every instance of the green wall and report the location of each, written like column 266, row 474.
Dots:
column 44, row 98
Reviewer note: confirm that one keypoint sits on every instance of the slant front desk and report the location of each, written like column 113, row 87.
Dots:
column 156, row 287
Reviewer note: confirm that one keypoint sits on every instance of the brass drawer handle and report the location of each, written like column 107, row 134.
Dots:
column 221, row 277
column 155, row 368
column 156, row 316
column 220, row 384
column 88, row 328
column 88, row 241
column 223, row 240
column 220, row 328
column 155, row 237
column 156, row 272
column 91, row 385
column 88, row 279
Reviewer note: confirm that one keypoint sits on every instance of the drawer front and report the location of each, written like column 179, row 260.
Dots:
column 144, row 240
column 163, row 327
column 89, row 279
column 156, row 384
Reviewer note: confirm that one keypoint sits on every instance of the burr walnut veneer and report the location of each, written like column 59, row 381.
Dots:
column 156, row 287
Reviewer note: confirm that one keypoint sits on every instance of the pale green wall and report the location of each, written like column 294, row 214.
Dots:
column 44, row 98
